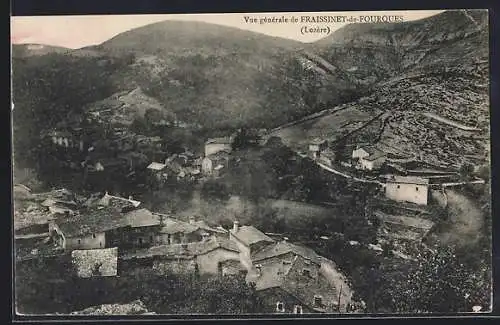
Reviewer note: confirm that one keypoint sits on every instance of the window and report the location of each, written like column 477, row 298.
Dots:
column 297, row 309
column 79, row 241
column 416, row 188
column 399, row 186
column 306, row 272
column 139, row 240
column 151, row 238
column 93, row 235
column 280, row 307
column 318, row 301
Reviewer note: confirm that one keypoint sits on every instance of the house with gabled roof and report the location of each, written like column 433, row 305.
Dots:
column 119, row 203
column 87, row 230
column 368, row 158
column 294, row 284
column 412, row 189
column 249, row 240
column 215, row 145
column 294, row 279
column 207, row 256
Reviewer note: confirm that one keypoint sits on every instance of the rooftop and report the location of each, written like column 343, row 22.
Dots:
column 91, row 221
column 172, row 226
column 110, row 200
column 142, row 218
column 284, row 247
column 156, row 166
column 408, row 180
column 220, row 140
column 186, row 250
column 250, row 235
column 376, row 155
column 317, row 141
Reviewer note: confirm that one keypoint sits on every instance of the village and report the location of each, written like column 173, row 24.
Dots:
column 108, row 234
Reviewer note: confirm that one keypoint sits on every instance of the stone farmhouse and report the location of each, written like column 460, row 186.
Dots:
column 368, row 158
column 407, row 189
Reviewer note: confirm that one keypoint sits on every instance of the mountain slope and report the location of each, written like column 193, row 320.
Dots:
column 204, row 74
column 26, row 50
column 436, row 66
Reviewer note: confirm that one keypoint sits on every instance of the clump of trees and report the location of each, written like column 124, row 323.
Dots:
column 437, row 281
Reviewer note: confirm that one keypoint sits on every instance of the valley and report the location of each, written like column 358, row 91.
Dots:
column 370, row 146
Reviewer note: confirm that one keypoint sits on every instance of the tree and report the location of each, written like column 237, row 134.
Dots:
column 466, row 170
column 441, row 282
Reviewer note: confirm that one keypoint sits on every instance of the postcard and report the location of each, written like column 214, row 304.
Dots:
column 323, row 163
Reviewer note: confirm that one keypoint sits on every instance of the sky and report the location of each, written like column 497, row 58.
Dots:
column 80, row 31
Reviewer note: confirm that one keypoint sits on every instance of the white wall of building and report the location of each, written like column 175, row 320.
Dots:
column 415, row 193
column 91, row 241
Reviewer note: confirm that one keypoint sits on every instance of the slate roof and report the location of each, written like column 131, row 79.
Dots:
column 156, row 166
column 142, row 218
column 188, row 250
column 317, row 141
column 219, row 140
column 375, row 156
column 250, row 235
column 172, row 226
column 408, row 180
column 284, row 247
column 91, row 221
column 203, row 225
column 269, row 277
column 290, row 280
column 118, row 202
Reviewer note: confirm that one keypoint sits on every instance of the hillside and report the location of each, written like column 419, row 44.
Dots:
column 379, row 51
column 26, row 50
column 201, row 74
column 436, row 66
column 216, row 77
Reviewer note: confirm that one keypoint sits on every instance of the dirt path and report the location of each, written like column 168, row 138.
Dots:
column 338, row 280
column 466, row 220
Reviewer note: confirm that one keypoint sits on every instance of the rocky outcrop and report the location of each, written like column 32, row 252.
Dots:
column 136, row 307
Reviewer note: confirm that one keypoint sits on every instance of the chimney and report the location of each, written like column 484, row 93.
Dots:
column 191, row 219
column 236, row 226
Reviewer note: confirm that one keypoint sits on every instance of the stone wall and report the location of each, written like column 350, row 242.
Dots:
column 95, row 262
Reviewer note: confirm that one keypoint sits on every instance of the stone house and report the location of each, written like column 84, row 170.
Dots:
column 207, row 257
column 368, row 158
column 249, row 240
column 294, row 279
column 175, row 231
column 407, row 189
column 87, row 230
column 118, row 203
column 211, row 165
column 327, row 157
column 158, row 171
column 67, row 140
column 317, row 145
column 293, row 284
column 142, row 230
column 215, row 145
